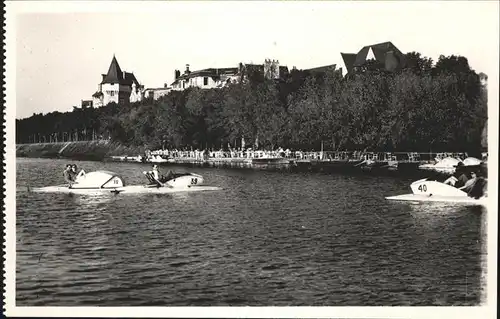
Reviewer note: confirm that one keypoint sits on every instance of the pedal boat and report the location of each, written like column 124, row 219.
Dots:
column 433, row 191
column 109, row 182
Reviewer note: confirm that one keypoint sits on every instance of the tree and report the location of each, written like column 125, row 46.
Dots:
column 422, row 107
column 418, row 64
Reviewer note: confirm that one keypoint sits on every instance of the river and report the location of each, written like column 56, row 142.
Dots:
column 266, row 239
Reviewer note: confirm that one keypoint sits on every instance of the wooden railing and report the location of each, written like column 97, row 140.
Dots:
column 310, row 156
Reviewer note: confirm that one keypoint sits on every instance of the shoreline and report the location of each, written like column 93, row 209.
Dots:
column 107, row 151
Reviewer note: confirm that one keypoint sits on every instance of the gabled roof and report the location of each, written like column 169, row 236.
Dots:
column 97, row 94
column 158, row 89
column 130, row 79
column 379, row 51
column 349, row 59
column 324, row 68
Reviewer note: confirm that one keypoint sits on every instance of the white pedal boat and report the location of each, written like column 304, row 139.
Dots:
column 434, row 191
column 157, row 159
column 108, row 182
column 446, row 166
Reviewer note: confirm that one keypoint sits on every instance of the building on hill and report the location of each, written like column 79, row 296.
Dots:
column 156, row 93
column 322, row 69
column 117, row 86
column 205, row 79
column 385, row 56
column 212, row 78
column 87, row 104
column 270, row 70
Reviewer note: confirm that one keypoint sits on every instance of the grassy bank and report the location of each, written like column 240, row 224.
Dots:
column 82, row 150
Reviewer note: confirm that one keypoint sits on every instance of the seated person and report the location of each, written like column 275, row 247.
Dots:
column 470, row 183
column 165, row 178
column 154, row 175
column 74, row 171
column 452, row 180
column 459, row 178
column 156, row 172
column 169, row 176
column 68, row 176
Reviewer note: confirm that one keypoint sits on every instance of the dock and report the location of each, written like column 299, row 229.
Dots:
column 327, row 161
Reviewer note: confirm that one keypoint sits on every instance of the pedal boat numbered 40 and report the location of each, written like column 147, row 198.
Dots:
column 433, row 191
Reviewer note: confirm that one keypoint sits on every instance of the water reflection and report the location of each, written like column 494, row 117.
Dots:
column 92, row 201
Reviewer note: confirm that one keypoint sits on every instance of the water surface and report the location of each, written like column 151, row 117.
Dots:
column 266, row 239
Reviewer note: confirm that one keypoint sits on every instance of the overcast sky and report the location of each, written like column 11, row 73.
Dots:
column 60, row 56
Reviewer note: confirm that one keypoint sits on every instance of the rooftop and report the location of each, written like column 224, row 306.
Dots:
column 116, row 75
column 378, row 51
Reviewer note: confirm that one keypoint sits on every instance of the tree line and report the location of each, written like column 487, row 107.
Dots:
column 424, row 107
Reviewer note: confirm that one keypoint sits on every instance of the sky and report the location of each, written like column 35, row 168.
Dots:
column 62, row 48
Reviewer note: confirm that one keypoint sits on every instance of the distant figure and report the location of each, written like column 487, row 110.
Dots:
column 68, row 176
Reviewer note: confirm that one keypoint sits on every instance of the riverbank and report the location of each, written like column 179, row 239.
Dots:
column 98, row 150
column 344, row 162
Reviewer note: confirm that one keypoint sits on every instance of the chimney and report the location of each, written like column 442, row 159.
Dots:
column 103, row 76
column 187, row 69
column 177, row 74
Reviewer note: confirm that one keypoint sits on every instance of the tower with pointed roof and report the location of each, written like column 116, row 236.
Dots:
column 117, row 86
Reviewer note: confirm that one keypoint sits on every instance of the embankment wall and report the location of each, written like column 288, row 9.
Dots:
column 81, row 150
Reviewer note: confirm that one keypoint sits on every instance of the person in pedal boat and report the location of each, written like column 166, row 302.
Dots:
column 154, row 175
column 155, row 172
column 68, row 175
column 169, row 176
column 459, row 178
column 470, row 183
column 76, row 173
column 476, row 186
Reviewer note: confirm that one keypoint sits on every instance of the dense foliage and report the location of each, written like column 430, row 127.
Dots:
column 427, row 106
